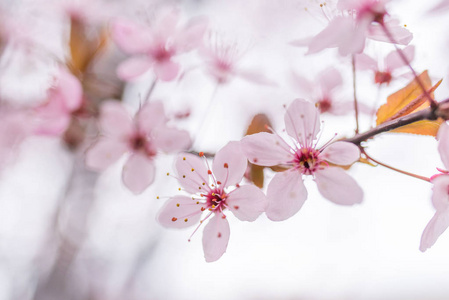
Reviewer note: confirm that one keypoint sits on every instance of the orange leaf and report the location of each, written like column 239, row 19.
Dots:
column 84, row 46
column 408, row 100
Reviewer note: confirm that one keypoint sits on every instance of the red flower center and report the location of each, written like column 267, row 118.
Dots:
column 307, row 160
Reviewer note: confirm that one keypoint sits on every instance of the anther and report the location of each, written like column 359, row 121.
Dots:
column 218, row 182
column 226, row 165
column 203, row 209
column 197, row 202
column 168, row 174
column 204, row 183
column 209, row 172
column 174, row 219
column 219, row 235
column 183, row 176
column 193, row 169
column 183, row 158
column 236, row 207
column 201, row 154
column 185, row 220
column 177, row 204
column 179, row 189
column 157, row 197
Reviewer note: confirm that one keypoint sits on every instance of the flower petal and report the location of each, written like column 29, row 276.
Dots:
column 192, row 35
column 337, row 186
column 171, row 139
column 229, row 164
column 400, row 34
column 115, row 120
column 440, row 196
column 166, row 70
column 436, row 226
column 255, row 77
column 104, row 153
column 215, row 238
column 286, row 194
column 329, row 79
column 192, row 172
column 131, row 38
column 341, row 153
column 179, row 212
column 247, row 202
column 394, row 60
column 443, row 144
column 69, row 90
column 302, row 121
column 266, row 149
column 133, row 67
column 365, row 62
column 138, row 173
column 331, row 36
column 150, row 116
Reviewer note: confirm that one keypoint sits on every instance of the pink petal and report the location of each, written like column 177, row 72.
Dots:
column 134, row 67
column 436, row 226
column 400, row 35
column 171, row 139
column 341, row 153
column 247, row 202
column 215, row 238
column 365, row 62
column 329, row 79
column 394, row 61
column 131, row 38
column 443, row 144
column 286, row 194
column 138, row 172
column 164, row 26
column 150, row 116
column 332, row 35
column 192, row 35
column 266, row 149
column 51, row 124
column 353, row 42
column 440, row 196
column 304, row 42
column 304, row 85
column 229, row 164
column 69, row 90
column 302, row 121
column 337, row 186
column 192, row 172
column 104, row 153
column 255, row 77
column 179, row 212
column 166, row 70
column 115, row 121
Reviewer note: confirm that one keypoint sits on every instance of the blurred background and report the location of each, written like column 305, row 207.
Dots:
column 70, row 233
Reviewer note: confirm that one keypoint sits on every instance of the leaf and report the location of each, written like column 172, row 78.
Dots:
column 406, row 101
column 84, row 46
column 259, row 123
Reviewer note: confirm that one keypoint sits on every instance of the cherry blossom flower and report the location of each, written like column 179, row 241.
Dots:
column 53, row 117
column 350, row 23
column 141, row 137
column 213, row 192
column 222, row 62
column 286, row 192
column 440, row 198
column 156, row 46
column 383, row 74
column 322, row 92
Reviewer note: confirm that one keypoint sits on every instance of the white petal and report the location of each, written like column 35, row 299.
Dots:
column 337, row 186
column 247, row 202
column 341, row 153
column 302, row 121
column 229, row 164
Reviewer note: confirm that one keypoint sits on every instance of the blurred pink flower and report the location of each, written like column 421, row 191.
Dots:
column 53, row 117
column 286, row 192
column 156, row 46
column 213, row 191
column 322, row 92
column 350, row 23
column 385, row 73
column 440, row 198
column 222, row 63
column 142, row 137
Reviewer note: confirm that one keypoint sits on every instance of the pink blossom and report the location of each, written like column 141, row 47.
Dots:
column 322, row 91
column 53, row 117
column 222, row 63
column 286, row 192
column 350, row 23
column 156, row 46
column 440, row 198
column 213, row 192
column 142, row 137
column 385, row 73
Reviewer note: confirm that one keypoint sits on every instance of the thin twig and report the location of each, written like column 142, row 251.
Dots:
column 395, row 169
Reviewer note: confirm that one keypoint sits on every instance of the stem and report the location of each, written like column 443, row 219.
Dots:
column 432, row 102
column 356, row 107
column 395, row 169
column 425, row 114
column 150, row 91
